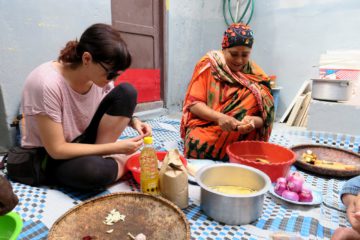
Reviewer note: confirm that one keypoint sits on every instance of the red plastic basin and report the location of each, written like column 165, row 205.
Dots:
column 133, row 163
column 246, row 152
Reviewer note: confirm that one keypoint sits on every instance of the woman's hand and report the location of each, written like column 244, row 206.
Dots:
column 129, row 146
column 142, row 128
column 257, row 121
column 228, row 123
column 246, row 125
column 57, row 147
column 249, row 123
column 345, row 233
column 353, row 210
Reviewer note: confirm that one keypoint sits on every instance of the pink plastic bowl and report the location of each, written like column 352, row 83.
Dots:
column 246, row 152
column 133, row 164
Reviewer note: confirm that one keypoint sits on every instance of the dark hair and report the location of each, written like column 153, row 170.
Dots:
column 103, row 42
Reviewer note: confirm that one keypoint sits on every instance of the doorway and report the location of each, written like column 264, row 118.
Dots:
column 142, row 26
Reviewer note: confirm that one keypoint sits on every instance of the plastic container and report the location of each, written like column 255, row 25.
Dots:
column 331, row 89
column 249, row 153
column 149, row 178
column 276, row 94
column 10, row 226
column 133, row 164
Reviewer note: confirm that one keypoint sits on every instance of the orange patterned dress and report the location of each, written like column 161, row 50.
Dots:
column 235, row 94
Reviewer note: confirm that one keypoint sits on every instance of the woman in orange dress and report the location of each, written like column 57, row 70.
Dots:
column 228, row 99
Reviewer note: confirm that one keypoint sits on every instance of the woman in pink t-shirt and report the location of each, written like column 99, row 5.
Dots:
column 72, row 110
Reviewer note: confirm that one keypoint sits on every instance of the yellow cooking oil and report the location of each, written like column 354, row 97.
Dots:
column 149, row 177
column 237, row 190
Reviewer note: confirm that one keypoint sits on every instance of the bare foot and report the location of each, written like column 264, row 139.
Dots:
column 121, row 160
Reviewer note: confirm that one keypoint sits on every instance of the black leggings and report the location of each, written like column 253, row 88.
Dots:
column 94, row 172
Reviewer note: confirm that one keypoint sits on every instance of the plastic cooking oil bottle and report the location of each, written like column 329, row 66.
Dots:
column 149, row 178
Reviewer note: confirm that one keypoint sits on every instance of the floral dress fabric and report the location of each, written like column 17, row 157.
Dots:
column 236, row 94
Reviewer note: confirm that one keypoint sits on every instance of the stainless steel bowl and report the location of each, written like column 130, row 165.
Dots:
column 229, row 208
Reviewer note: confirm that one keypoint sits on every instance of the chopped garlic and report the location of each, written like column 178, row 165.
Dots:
column 110, row 231
column 113, row 217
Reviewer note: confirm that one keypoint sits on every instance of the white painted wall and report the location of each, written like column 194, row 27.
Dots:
column 334, row 117
column 32, row 32
column 290, row 35
column 195, row 27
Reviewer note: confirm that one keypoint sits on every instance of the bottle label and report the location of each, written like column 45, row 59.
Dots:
column 149, row 172
column 151, row 186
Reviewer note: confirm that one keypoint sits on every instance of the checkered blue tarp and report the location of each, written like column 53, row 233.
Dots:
column 40, row 207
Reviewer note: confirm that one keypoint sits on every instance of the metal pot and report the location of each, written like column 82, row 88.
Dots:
column 331, row 89
column 229, row 208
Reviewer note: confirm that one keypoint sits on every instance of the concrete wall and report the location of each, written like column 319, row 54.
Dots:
column 195, row 27
column 336, row 117
column 290, row 35
column 32, row 32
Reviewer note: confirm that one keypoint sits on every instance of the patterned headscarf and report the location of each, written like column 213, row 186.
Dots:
column 238, row 34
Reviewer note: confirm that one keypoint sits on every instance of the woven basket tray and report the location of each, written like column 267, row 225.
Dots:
column 329, row 154
column 155, row 217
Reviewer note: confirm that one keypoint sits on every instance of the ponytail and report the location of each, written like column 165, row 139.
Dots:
column 69, row 54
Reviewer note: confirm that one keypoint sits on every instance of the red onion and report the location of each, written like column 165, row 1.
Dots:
column 281, row 180
column 295, row 181
column 294, row 185
column 295, row 175
column 305, row 195
column 280, row 187
column 293, row 196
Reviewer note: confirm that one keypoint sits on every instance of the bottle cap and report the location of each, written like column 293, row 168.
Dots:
column 148, row 140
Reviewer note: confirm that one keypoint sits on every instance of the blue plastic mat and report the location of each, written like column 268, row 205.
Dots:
column 40, row 207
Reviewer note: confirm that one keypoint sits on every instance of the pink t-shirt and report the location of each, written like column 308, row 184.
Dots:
column 47, row 92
